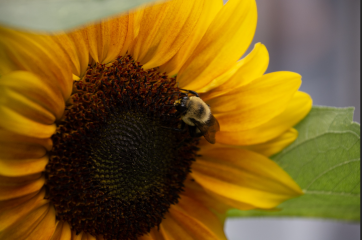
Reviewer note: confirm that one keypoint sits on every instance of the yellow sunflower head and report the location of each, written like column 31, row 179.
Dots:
column 106, row 131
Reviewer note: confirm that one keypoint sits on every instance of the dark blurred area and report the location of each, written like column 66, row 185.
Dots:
column 319, row 39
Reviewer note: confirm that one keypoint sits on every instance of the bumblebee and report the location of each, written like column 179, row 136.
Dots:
column 197, row 114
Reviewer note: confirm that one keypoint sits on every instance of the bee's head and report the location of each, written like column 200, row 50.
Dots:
column 180, row 104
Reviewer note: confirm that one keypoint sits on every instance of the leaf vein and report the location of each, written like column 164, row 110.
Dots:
column 331, row 193
column 285, row 151
column 330, row 169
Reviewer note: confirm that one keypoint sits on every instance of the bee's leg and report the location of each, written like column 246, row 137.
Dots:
column 190, row 91
column 181, row 129
column 175, row 129
column 195, row 131
column 183, row 126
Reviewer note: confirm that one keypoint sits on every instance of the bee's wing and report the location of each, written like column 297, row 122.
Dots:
column 209, row 128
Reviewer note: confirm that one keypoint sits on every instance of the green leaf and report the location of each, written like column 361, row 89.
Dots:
column 57, row 15
column 325, row 162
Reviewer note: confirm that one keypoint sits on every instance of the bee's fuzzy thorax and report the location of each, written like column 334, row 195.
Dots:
column 198, row 110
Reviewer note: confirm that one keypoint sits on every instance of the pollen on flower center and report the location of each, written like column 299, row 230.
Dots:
column 118, row 160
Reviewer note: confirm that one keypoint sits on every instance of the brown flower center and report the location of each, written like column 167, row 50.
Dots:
column 119, row 160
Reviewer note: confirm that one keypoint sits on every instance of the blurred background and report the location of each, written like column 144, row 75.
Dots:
column 319, row 39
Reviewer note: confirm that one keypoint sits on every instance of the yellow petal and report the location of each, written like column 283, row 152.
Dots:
column 243, row 177
column 225, row 41
column 296, row 110
column 155, row 234
column 209, row 91
column 106, row 39
column 275, row 145
column 28, row 105
column 36, row 53
column 195, row 219
column 39, row 224
column 18, row 102
column 146, row 237
column 245, row 71
column 134, row 24
column 14, row 187
column 22, row 159
column 170, row 230
column 13, row 210
column 62, row 231
column 82, row 50
column 164, row 29
column 234, row 203
column 21, row 151
column 14, row 121
column 207, row 15
column 195, row 191
column 256, row 103
column 13, row 138
column 76, row 78
column 79, row 236
column 21, row 167
column 76, row 50
column 21, row 155
column 151, row 19
column 41, row 96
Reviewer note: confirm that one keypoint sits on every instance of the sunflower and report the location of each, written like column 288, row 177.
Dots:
column 93, row 147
